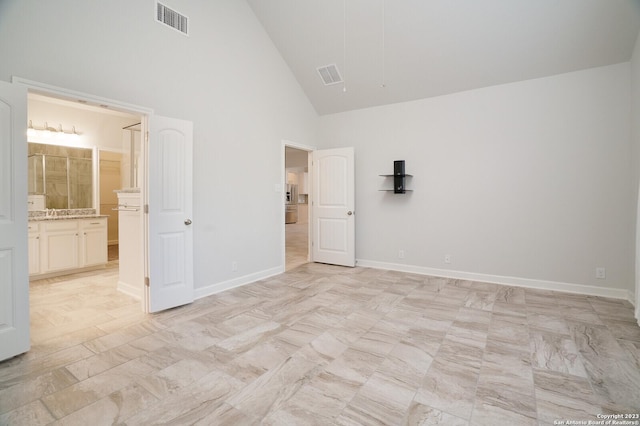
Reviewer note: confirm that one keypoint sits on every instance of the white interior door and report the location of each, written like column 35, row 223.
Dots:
column 14, row 269
column 333, row 212
column 170, row 233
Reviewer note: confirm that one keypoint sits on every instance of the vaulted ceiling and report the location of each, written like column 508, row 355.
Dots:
column 390, row 51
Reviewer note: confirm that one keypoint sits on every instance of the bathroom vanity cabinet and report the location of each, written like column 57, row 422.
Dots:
column 93, row 242
column 66, row 245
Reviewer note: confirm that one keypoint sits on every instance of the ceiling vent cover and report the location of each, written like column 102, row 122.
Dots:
column 172, row 18
column 330, row 74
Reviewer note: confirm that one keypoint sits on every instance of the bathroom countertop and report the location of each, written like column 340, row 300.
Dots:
column 67, row 217
column 62, row 214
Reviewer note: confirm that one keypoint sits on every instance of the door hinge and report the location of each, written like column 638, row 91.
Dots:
column 146, row 281
column 146, row 208
column 146, row 137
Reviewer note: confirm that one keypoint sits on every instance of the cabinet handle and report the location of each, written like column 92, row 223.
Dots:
column 95, row 223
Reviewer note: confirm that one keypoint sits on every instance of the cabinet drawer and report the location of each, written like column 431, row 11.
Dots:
column 34, row 227
column 61, row 225
column 100, row 222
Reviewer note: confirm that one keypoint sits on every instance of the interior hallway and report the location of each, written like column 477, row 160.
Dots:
column 322, row 344
column 297, row 241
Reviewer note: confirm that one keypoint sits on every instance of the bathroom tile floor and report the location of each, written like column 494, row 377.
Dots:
column 323, row 345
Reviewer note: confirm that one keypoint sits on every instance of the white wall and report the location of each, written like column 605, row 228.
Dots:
column 529, row 180
column 226, row 77
column 102, row 130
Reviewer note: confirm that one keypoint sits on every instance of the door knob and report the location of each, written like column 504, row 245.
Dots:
column 349, row 212
column 188, row 222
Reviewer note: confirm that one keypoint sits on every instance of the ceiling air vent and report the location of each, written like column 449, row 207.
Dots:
column 172, row 18
column 330, row 74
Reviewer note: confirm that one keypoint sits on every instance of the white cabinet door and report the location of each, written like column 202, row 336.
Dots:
column 34, row 252
column 333, row 207
column 14, row 271
column 62, row 250
column 60, row 245
column 170, row 240
column 94, row 243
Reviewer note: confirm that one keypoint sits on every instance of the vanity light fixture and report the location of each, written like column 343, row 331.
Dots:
column 47, row 132
column 30, row 130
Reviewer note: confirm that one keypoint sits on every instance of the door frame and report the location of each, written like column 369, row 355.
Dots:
column 309, row 149
column 74, row 96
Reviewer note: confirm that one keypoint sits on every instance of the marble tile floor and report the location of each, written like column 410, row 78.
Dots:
column 323, row 345
column 297, row 244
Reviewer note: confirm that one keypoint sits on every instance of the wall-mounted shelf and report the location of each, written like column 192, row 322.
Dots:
column 399, row 178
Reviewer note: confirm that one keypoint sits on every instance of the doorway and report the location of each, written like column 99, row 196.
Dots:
column 172, row 151
column 100, row 131
column 329, row 184
column 296, row 199
column 164, row 207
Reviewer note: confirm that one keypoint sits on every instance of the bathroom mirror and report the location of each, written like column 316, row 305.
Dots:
column 59, row 177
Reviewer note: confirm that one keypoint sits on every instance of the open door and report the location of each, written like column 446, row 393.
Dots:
column 170, row 233
column 333, row 229
column 14, row 272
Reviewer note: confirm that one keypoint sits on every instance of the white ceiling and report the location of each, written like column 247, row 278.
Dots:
column 436, row 47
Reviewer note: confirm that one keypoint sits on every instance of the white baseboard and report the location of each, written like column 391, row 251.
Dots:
column 614, row 293
column 130, row 290
column 236, row 282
